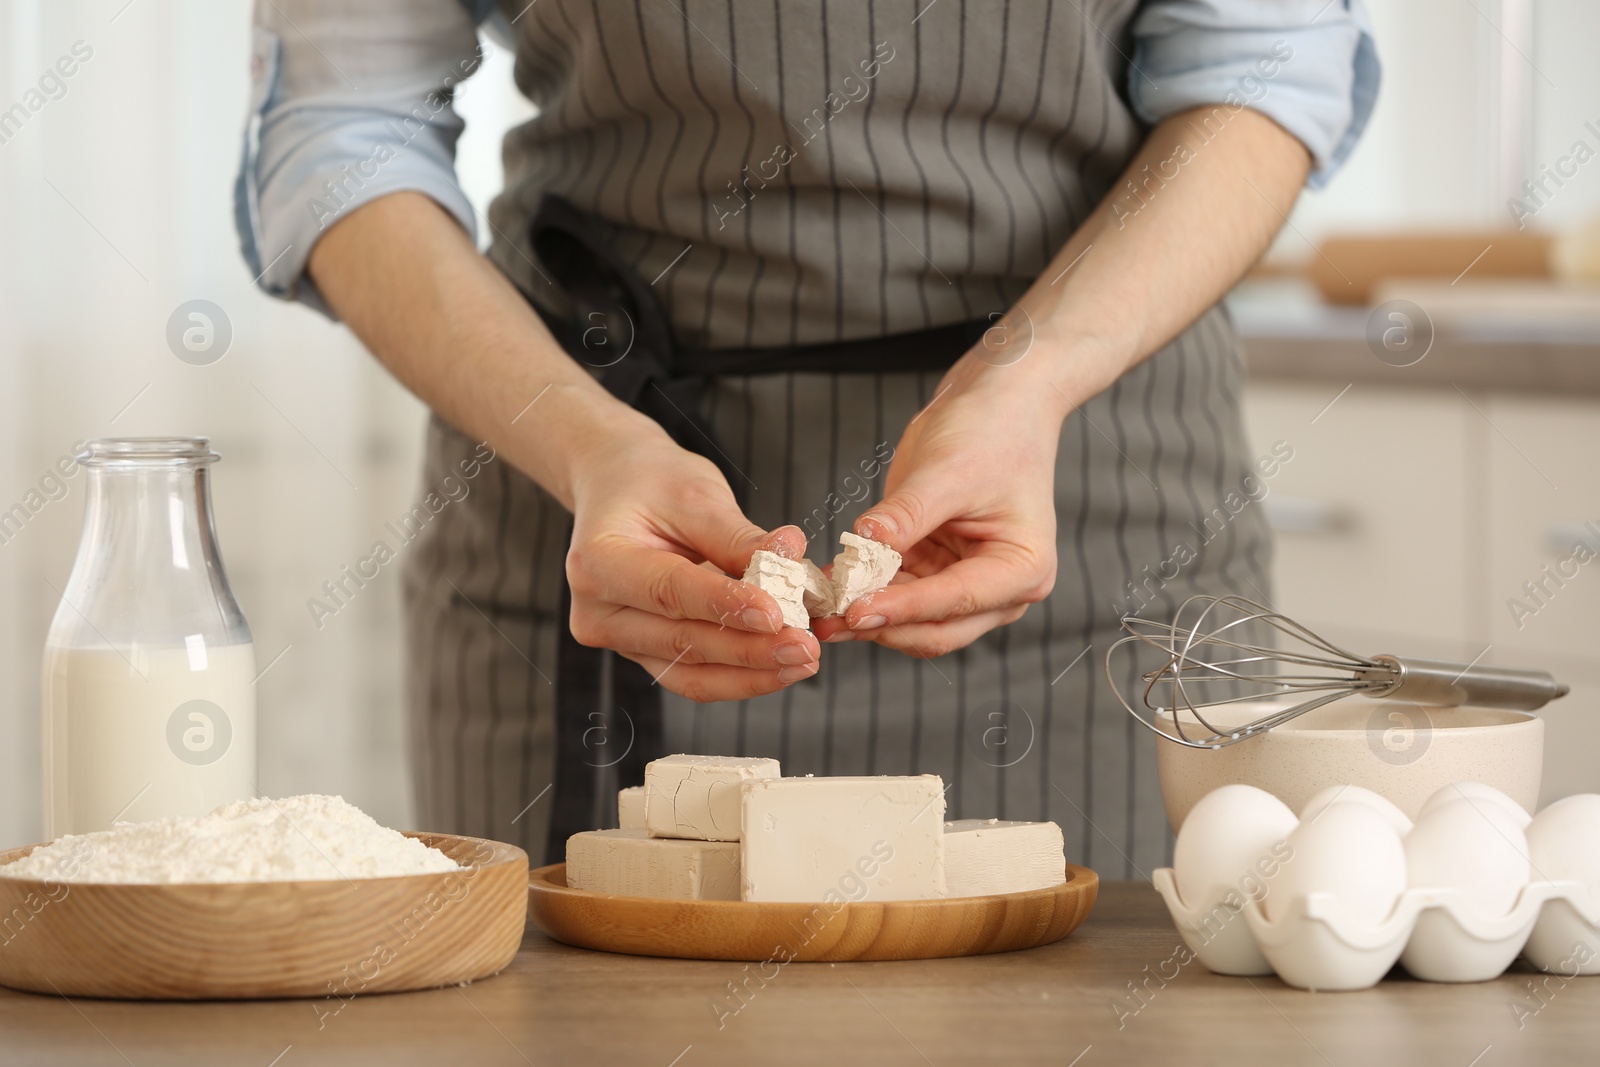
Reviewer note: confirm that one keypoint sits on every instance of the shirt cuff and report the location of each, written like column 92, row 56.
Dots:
column 1315, row 74
column 308, row 163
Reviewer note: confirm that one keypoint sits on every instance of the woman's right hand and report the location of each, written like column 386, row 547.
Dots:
column 402, row 273
column 649, row 517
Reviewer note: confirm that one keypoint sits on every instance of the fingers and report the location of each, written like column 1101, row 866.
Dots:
column 927, row 640
column 723, row 535
column 787, row 541
column 635, row 632
column 926, row 557
column 991, row 580
column 833, row 628
column 715, row 681
column 624, row 573
column 907, row 515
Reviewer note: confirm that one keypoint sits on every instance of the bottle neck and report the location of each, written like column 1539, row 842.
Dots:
column 151, row 518
column 148, row 571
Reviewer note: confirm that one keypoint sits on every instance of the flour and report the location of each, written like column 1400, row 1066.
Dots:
column 303, row 838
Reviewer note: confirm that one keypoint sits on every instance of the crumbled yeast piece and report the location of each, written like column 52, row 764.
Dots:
column 818, row 595
column 865, row 566
column 804, row 593
column 786, row 580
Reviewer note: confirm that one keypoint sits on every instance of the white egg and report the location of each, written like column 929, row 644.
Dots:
column 1479, row 793
column 1355, row 794
column 1229, row 844
column 1350, row 851
column 1564, row 841
column 1476, row 849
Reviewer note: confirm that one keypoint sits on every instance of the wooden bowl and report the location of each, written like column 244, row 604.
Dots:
column 866, row 930
column 267, row 939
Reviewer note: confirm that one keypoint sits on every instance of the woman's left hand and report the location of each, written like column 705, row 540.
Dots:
column 970, row 504
column 970, row 496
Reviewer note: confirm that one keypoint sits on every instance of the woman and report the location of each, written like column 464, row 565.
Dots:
column 944, row 274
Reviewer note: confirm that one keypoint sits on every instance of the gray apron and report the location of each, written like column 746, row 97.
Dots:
column 1021, row 724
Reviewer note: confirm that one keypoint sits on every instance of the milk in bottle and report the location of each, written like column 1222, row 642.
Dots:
column 149, row 697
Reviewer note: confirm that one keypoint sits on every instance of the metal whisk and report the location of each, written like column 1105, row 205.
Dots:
column 1311, row 666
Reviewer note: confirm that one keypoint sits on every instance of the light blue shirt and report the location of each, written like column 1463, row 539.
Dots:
column 1309, row 65
column 335, row 120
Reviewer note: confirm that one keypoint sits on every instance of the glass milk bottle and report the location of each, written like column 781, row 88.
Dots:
column 149, row 697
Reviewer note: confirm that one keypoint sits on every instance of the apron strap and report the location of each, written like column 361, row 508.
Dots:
column 619, row 329
column 578, row 804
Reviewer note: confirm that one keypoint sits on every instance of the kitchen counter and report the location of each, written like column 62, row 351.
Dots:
column 1560, row 366
column 1483, row 340
column 1055, row 1005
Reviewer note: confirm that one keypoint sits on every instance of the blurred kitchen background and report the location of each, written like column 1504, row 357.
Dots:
column 1418, row 502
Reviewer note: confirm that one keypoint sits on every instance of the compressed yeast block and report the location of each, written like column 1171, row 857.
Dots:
column 697, row 797
column 985, row 857
column 865, row 566
column 826, row 840
column 786, row 581
column 630, row 807
column 631, row 863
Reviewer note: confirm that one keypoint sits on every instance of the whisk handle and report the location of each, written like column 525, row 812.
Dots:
column 1444, row 684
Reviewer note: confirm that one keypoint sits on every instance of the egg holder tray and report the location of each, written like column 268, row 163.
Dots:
column 1555, row 925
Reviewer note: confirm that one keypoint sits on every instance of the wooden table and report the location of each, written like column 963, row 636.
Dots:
column 1054, row 1005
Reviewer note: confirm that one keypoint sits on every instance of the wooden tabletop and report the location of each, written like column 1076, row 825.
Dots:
column 1054, row 1005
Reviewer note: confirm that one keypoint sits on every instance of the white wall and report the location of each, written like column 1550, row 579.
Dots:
column 1427, row 160
column 142, row 149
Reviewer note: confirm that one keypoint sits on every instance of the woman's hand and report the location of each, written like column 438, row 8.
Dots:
column 648, row 513
column 970, row 504
column 656, row 533
column 970, row 495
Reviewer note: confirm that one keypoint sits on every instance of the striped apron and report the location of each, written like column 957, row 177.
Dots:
column 931, row 193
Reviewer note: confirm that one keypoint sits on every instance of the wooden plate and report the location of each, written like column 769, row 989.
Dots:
column 737, row 930
column 267, row 939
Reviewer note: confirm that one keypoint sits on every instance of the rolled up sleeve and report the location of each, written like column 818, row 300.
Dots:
column 350, row 101
column 1309, row 65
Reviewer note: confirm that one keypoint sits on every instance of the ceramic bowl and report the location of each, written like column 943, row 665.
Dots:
column 1402, row 751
